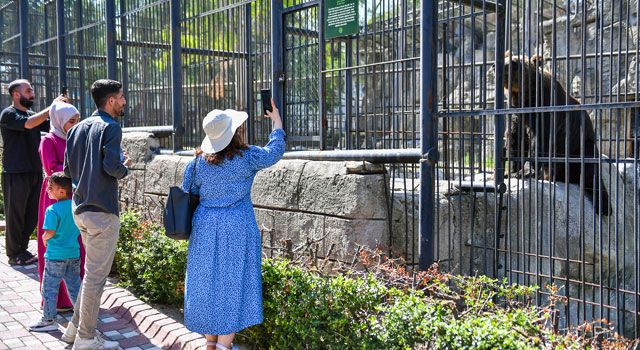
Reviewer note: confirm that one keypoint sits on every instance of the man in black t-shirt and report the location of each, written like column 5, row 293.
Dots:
column 21, row 169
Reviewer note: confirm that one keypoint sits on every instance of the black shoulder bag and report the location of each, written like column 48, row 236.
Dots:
column 179, row 210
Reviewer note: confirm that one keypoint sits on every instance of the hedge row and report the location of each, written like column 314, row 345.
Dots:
column 305, row 310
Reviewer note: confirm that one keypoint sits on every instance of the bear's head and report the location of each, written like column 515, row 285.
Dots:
column 520, row 72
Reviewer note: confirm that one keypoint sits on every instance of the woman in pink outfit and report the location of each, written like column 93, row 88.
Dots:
column 62, row 116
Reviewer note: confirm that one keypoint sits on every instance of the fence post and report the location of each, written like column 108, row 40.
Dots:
column 79, row 47
column 322, row 106
column 62, row 47
column 110, row 19
column 428, row 129
column 499, row 132
column 249, row 76
column 348, row 79
column 23, row 18
column 48, row 93
column 125, row 57
column 176, row 76
column 277, row 67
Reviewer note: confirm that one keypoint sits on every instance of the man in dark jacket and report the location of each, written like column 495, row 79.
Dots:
column 95, row 162
column 21, row 168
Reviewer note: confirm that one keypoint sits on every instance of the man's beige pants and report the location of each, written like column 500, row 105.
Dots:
column 99, row 233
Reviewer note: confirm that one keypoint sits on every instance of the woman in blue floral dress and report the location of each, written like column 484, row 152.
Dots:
column 223, row 287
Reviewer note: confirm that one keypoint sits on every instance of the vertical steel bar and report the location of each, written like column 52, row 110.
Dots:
column 110, row 19
column 428, row 127
column 636, row 212
column 277, row 67
column 46, row 73
column 348, row 92
column 125, row 71
column 23, row 19
column 62, row 47
column 248, row 75
column 176, row 75
column 79, row 48
column 499, row 128
column 2, row 27
column 583, row 238
column 322, row 106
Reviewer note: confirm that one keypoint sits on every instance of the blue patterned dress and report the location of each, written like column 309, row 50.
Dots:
column 223, row 287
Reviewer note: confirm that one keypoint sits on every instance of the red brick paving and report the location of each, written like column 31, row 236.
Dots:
column 20, row 306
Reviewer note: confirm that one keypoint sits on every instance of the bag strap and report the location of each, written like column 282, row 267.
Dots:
column 193, row 174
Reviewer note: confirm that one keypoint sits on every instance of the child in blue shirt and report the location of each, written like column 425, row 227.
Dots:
column 62, row 258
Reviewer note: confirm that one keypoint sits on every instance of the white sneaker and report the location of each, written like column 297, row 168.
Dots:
column 95, row 343
column 69, row 335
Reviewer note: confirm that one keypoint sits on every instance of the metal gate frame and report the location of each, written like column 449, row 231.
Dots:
column 427, row 156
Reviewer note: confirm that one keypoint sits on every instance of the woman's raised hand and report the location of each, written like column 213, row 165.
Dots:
column 274, row 115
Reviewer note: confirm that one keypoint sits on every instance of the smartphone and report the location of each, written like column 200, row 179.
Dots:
column 265, row 96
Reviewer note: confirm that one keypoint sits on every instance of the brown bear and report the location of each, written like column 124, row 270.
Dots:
column 529, row 134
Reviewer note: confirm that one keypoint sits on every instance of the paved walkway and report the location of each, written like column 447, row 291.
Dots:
column 123, row 317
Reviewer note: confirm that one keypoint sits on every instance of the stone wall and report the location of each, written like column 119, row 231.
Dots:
column 339, row 204
column 344, row 204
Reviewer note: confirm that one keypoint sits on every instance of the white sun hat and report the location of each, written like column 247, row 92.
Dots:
column 220, row 126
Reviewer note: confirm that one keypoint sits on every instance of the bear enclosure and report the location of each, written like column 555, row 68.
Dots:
column 527, row 144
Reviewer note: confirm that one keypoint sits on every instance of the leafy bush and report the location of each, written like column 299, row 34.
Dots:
column 304, row 310
column 149, row 263
column 380, row 307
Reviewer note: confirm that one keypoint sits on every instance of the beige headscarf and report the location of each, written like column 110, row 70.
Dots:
column 59, row 114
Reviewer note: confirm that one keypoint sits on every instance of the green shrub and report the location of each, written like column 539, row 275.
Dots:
column 303, row 310
column 149, row 263
column 386, row 308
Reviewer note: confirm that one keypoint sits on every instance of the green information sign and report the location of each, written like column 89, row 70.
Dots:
column 340, row 18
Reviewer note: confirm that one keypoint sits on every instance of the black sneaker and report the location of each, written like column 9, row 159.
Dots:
column 19, row 261
column 28, row 258
column 44, row 326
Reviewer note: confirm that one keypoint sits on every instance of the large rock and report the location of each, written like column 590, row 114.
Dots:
column 163, row 172
column 131, row 188
column 141, row 147
column 326, row 187
column 405, row 235
column 538, row 217
column 348, row 235
column 539, row 220
column 279, row 185
column 316, row 234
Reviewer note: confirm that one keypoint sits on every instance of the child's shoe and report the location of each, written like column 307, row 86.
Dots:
column 44, row 326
